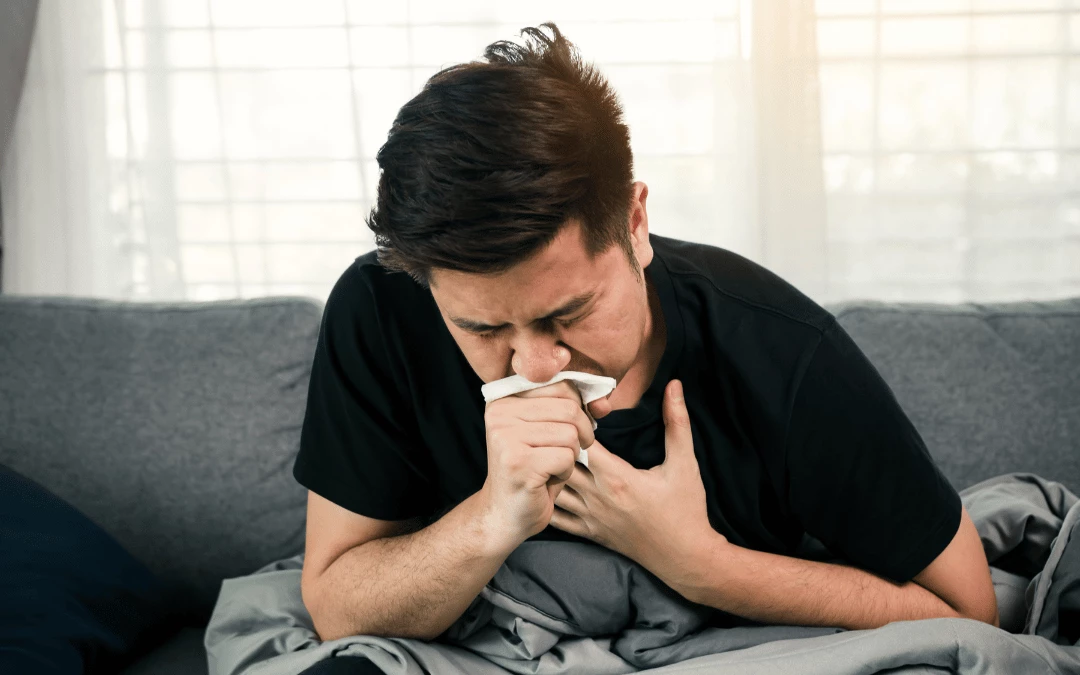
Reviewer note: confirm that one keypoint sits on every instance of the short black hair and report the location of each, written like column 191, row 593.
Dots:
column 484, row 166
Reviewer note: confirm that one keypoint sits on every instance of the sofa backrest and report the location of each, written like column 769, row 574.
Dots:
column 172, row 425
column 175, row 425
column 992, row 388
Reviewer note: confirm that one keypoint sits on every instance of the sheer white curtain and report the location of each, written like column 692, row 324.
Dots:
column 225, row 148
column 951, row 131
column 184, row 149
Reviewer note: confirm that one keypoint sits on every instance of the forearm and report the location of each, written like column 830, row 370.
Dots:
column 412, row 585
column 778, row 589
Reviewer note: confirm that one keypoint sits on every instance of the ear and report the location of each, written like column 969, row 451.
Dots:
column 639, row 224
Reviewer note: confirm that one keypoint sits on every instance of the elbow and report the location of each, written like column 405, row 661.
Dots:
column 989, row 609
column 321, row 620
column 330, row 623
column 992, row 618
column 309, row 595
column 988, row 615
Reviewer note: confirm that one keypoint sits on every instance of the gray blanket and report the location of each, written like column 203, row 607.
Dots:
column 533, row 617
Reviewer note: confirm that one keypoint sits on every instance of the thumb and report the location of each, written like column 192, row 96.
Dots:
column 677, row 435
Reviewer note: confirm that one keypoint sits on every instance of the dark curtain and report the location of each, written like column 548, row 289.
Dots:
column 17, row 18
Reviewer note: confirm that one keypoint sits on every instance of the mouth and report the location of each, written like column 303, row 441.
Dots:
column 590, row 371
column 590, row 368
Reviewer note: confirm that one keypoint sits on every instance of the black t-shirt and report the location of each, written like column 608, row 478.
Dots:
column 794, row 430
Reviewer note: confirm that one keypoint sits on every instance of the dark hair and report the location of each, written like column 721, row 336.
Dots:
column 484, row 166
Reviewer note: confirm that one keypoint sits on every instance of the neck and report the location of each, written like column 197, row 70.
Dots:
column 637, row 380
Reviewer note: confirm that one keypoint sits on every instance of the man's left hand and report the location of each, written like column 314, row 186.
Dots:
column 656, row 517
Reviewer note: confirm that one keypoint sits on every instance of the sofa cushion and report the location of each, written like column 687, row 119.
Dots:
column 184, row 654
column 73, row 600
column 172, row 425
column 992, row 388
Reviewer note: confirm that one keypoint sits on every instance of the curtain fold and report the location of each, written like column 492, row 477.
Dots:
column 858, row 148
column 52, row 178
column 791, row 213
column 16, row 30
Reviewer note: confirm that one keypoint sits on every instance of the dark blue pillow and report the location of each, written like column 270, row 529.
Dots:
column 72, row 600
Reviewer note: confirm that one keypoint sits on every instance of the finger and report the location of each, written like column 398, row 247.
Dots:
column 557, row 463
column 562, row 389
column 555, row 489
column 600, row 407
column 677, row 435
column 582, row 476
column 568, row 522
column 600, row 460
column 541, row 434
column 570, row 500
column 554, row 409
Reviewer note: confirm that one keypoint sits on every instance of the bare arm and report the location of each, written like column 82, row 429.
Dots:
column 778, row 589
column 404, row 582
column 364, row 576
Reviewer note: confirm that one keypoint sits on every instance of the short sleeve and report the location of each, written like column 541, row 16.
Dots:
column 356, row 448
column 860, row 478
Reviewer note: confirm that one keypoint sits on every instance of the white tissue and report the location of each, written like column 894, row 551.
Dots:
column 591, row 387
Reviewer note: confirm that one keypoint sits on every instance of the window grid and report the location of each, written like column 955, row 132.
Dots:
column 226, row 178
column 226, row 197
column 878, row 197
column 845, row 281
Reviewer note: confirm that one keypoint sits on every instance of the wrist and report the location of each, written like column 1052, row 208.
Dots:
column 697, row 571
column 496, row 536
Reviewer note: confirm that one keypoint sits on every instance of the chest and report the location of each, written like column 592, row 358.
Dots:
column 741, row 494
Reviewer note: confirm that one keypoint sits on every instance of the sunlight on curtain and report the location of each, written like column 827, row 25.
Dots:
column 952, row 148
column 889, row 149
column 240, row 135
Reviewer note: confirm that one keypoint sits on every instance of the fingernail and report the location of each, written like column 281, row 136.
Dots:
column 676, row 391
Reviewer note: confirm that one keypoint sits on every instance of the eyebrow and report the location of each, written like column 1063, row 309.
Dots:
column 570, row 307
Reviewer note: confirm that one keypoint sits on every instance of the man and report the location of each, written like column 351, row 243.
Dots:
column 513, row 240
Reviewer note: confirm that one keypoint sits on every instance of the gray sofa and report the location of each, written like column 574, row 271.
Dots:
column 174, row 426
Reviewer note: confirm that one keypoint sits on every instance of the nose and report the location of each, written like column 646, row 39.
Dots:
column 539, row 356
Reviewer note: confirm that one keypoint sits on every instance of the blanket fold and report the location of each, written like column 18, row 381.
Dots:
column 558, row 607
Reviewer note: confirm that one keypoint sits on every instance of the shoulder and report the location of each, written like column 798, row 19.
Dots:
column 379, row 320
column 733, row 284
column 378, row 313
column 367, row 276
column 366, row 289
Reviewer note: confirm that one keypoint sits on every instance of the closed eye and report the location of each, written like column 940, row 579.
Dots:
column 492, row 332
column 566, row 323
column 485, row 331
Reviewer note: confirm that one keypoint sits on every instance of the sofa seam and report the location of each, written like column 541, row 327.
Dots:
column 949, row 312
column 123, row 306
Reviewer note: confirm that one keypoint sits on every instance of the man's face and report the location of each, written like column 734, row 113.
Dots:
column 559, row 310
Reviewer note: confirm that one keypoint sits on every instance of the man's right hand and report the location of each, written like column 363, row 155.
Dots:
column 532, row 444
